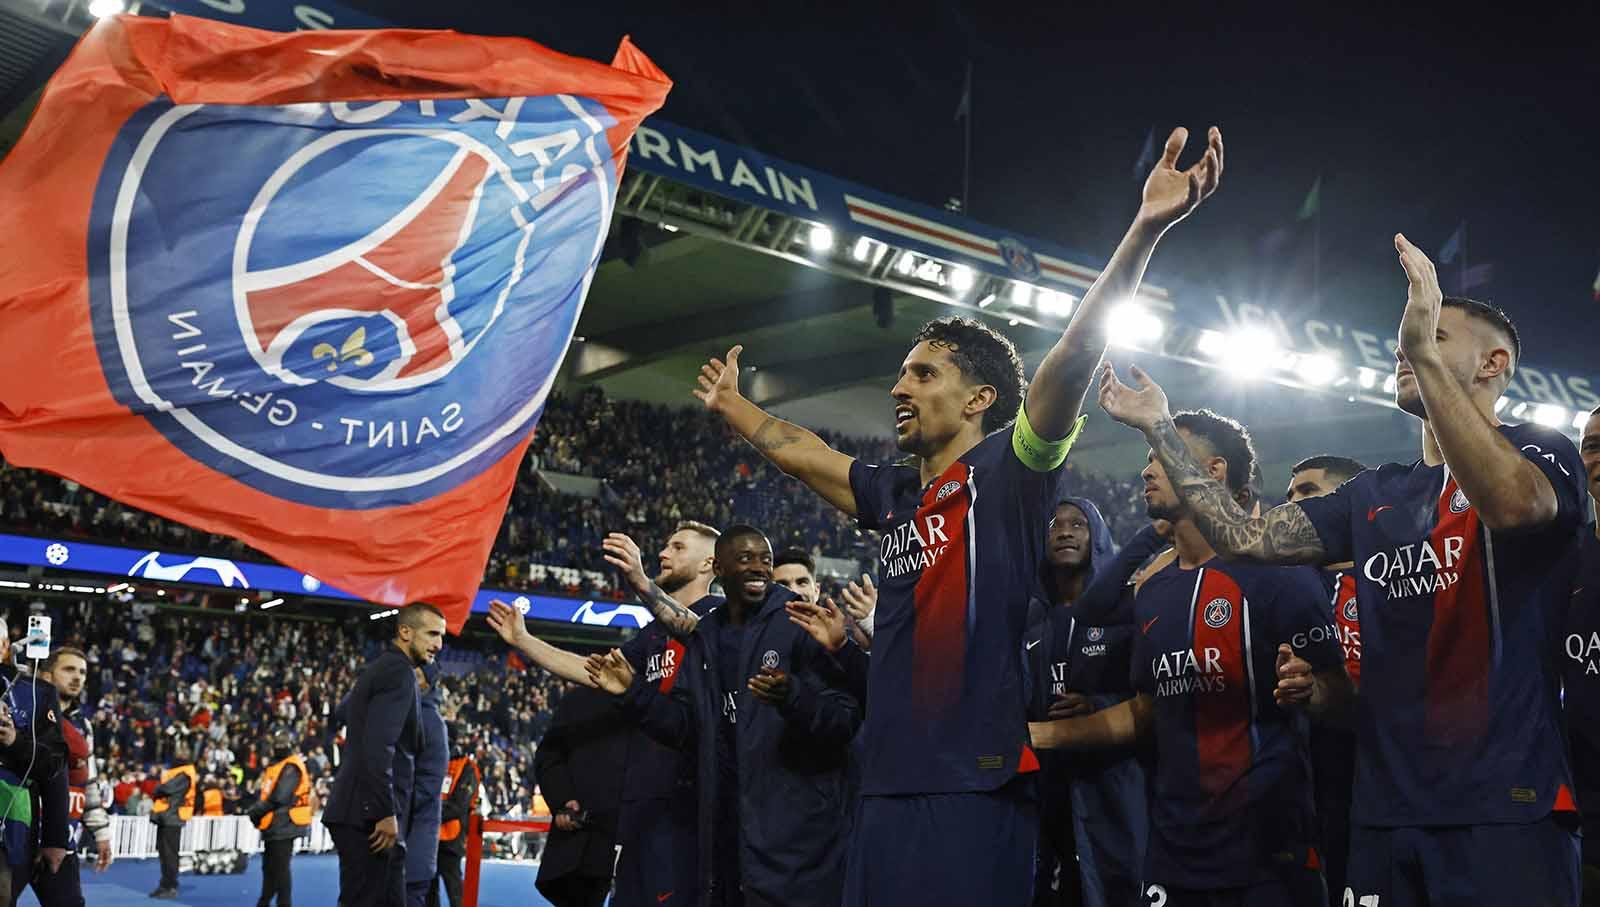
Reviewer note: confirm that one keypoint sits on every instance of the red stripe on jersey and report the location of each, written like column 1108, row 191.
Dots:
column 1459, row 647
column 1028, row 762
column 1348, row 619
column 671, row 658
column 1222, row 714
column 1564, row 801
column 939, row 639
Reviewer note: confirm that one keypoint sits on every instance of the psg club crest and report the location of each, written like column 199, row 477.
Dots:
column 946, row 490
column 1096, row 634
column 1350, row 609
column 1019, row 258
column 769, row 659
column 1218, row 612
column 1458, row 502
column 350, row 305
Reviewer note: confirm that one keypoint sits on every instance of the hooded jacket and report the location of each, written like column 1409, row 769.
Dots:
column 792, row 803
column 1106, row 790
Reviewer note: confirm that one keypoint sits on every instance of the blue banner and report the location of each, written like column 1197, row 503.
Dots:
column 257, row 578
column 275, row 16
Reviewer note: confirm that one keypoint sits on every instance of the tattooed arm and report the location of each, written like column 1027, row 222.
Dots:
column 622, row 552
column 793, row 449
column 1282, row 535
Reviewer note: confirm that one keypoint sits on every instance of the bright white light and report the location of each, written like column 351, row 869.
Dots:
column 382, row 614
column 118, row 587
column 986, row 301
column 906, row 263
column 1131, row 325
column 1318, row 369
column 930, row 271
column 1022, row 294
column 1367, row 377
column 863, row 249
column 1549, row 415
column 1055, row 303
column 1500, row 404
column 1015, row 322
column 1249, row 351
column 1389, row 384
column 103, row 8
column 668, row 227
column 1212, row 343
column 961, row 278
column 1518, row 410
column 821, row 238
column 11, row 584
column 1580, row 419
column 268, row 605
column 161, row 592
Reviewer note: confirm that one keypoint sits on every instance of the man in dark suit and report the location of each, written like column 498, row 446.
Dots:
column 369, row 809
column 580, row 767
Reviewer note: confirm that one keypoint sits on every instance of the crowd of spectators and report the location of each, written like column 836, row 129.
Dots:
column 217, row 685
column 655, row 465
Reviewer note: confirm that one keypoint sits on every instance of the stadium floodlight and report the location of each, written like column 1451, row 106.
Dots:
column 1500, row 404
column 906, row 263
column 268, row 605
column 1014, row 322
column 1368, row 377
column 13, row 584
column 931, row 271
column 1549, row 415
column 1249, row 351
column 1022, row 294
column 987, row 300
column 1519, row 410
column 1055, row 303
column 1389, row 384
column 1318, row 369
column 821, row 238
column 1212, row 343
column 1579, row 420
column 1130, row 324
column 382, row 614
column 961, row 278
column 117, row 588
column 667, row 227
column 100, row 9
column 863, row 249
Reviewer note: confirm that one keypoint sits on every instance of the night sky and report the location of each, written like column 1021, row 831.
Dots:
column 1415, row 120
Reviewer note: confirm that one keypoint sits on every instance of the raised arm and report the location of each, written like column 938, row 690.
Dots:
column 796, row 451
column 1507, row 489
column 622, row 553
column 514, row 630
column 1282, row 535
column 1055, row 396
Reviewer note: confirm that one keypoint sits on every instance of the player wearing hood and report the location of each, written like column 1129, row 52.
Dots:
column 1092, row 807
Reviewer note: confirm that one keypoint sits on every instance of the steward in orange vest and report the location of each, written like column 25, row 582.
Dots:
column 178, row 787
column 460, row 799
column 284, row 810
column 211, row 797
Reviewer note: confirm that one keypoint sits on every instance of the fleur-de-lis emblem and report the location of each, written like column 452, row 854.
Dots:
column 351, row 351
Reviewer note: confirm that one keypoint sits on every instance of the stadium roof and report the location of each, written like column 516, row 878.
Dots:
column 825, row 283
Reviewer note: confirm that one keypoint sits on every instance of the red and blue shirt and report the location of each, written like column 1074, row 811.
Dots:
column 1230, row 797
column 1457, row 718
column 957, row 562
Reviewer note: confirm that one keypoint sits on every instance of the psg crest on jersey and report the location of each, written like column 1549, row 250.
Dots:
column 1458, row 502
column 1350, row 608
column 361, row 295
column 1096, row 634
column 946, row 490
column 769, row 659
column 1218, row 612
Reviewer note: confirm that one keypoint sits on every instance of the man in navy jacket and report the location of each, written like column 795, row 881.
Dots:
column 369, row 810
column 761, row 705
column 432, row 764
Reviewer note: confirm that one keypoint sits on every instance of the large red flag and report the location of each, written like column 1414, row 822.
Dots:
column 309, row 290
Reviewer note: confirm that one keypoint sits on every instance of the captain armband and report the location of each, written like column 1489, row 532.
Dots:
column 1035, row 452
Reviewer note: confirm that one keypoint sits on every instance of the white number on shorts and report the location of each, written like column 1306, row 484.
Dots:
column 1158, row 895
column 1367, row 900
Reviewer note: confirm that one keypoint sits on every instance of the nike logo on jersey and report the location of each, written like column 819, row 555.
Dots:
column 662, row 898
column 1150, row 623
column 1029, row 646
column 1372, row 514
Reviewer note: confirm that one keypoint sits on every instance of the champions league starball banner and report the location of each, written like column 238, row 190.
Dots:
column 308, row 290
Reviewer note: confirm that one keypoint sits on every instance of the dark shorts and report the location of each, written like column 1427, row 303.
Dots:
column 944, row 850
column 1294, row 887
column 1531, row 865
column 656, row 859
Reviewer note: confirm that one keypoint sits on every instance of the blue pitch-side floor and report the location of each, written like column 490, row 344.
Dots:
column 316, row 884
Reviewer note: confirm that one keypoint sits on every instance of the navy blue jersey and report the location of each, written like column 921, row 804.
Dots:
column 1457, row 715
column 1230, row 796
column 1580, row 675
column 957, row 562
column 654, row 770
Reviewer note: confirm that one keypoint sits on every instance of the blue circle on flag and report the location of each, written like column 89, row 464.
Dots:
column 353, row 305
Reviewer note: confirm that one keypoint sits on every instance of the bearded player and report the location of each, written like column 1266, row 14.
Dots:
column 1463, row 793
column 947, row 814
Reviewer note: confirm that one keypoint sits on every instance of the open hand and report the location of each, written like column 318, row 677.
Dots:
column 622, row 553
column 719, row 381
column 103, row 857
column 1070, row 705
column 1140, row 406
column 824, row 622
column 508, row 622
column 1419, row 325
column 610, row 672
column 1171, row 194
column 861, row 600
column 384, row 834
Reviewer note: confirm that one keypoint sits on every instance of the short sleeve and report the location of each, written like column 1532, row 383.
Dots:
column 1301, row 618
column 1330, row 515
column 873, row 487
column 1557, row 457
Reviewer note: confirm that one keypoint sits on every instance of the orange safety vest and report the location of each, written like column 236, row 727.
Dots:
column 300, row 811
column 186, row 810
column 451, row 829
column 213, row 803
